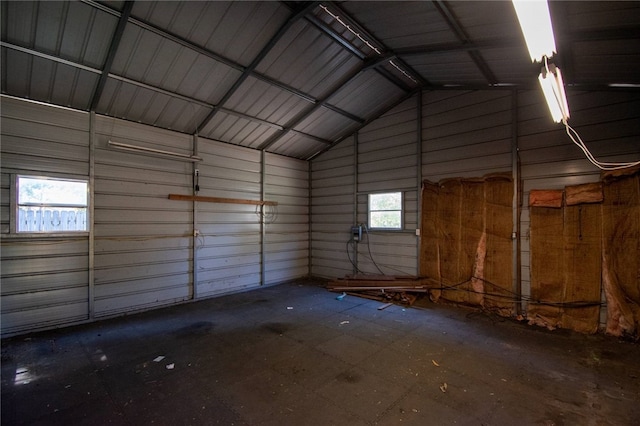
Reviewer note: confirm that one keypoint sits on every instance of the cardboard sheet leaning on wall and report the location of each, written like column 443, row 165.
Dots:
column 466, row 241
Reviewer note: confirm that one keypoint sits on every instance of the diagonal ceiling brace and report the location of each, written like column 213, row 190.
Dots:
column 111, row 54
column 454, row 24
column 298, row 14
column 321, row 102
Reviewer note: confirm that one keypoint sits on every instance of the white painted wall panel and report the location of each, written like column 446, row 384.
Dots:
column 386, row 160
column 332, row 209
column 287, row 232
column 144, row 244
column 44, row 279
column 466, row 133
column 228, row 248
column 142, row 239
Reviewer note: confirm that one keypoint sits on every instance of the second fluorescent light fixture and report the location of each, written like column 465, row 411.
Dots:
column 550, row 79
column 535, row 21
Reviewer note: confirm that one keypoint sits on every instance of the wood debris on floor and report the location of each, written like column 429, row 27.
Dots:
column 402, row 289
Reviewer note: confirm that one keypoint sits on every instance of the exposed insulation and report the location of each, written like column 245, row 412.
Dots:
column 585, row 193
column 621, row 259
column 498, row 273
column 546, row 198
column 466, row 241
column 582, row 267
column 450, row 239
column 547, row 278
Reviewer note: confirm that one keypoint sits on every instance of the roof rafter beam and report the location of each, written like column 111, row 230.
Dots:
column 141, row 84
column 375, row 117
column 385, row 57
column 315, row 138
column 301, row 117
column 297, row 15
column 196, row 101
column 111, row 54
column 201, row 50
column 453, row 23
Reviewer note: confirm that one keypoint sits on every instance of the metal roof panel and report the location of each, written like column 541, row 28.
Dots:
column 233, row 29
column 266, row 102
column 365, row 94
column 401, row 23
column 325, row 124
column 297, row 146
column 307, row 60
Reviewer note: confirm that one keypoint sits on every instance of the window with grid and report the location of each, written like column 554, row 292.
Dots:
column 51, row 205
column 385, row 210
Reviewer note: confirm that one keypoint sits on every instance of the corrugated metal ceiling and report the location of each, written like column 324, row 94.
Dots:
column 291, row 78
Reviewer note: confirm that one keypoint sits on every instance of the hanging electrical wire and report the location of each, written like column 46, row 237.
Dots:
column 366, row 230
column 575, row 137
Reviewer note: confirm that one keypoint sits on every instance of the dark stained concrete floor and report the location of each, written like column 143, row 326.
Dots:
column 295, row 355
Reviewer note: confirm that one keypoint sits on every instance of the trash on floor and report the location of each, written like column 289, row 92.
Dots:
column 158, row 358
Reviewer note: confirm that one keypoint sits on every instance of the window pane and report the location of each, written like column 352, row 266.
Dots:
column 51, row 219
column 391, row 201
column 388, row 219
column 50, row 191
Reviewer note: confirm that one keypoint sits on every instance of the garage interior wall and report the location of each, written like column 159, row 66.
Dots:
column 142, row 248
column 142, row 245
column 468, row 134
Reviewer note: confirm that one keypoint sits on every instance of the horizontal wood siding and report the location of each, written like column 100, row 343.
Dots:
column 45, row 279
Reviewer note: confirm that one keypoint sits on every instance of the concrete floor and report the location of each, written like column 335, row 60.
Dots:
column 295, row 355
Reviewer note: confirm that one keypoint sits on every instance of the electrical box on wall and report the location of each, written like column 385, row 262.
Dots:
column 356, row 232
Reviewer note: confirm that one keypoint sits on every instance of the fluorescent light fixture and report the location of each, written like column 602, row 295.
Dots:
column 535, row 22
column 156, row 152
column 552, row 85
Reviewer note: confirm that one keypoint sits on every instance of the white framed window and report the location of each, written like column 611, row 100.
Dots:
column 385, row 210
column 48, row 205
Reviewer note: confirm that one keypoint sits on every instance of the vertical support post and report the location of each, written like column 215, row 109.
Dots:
column 91, row 242
column 309, row 220
column 419, row 180
column 194, row 212
column 515, row 173
column 263, row 230
column 355, row 199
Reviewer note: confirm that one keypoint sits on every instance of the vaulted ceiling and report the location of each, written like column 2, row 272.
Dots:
column 293, row 78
